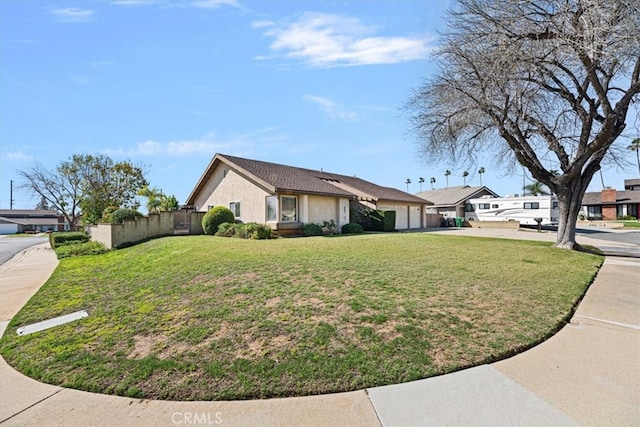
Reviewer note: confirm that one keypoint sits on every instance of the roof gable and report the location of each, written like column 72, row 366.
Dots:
column 453, row 196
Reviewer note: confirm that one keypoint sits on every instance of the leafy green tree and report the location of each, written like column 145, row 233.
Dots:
column 107, row 183
column 465, row 174
column 85, row 183
column 530, row 81
column 536, row 189
column 446, row 175
column 157, row 201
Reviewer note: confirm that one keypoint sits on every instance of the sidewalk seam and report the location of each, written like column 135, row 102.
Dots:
column 31, row 406
column 610, row 322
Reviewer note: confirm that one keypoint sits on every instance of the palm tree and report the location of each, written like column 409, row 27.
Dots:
column 480, row 172
column 408, row 181
column 536, row 189
column 421, row 180
column 465, row 174
column 432, row 181
column 446, row 175
column 635, row 146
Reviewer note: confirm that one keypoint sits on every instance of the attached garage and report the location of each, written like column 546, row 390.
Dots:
column 407, row 216
column 8, row 228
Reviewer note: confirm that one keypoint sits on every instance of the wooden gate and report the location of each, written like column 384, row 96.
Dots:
column 182, row 221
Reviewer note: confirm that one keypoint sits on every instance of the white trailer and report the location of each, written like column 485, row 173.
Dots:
column 525, row 209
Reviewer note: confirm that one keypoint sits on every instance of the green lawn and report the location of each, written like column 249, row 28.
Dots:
column 212, row 318
column 630, row 224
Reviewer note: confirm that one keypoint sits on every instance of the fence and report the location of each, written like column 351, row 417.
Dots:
column 144, row 228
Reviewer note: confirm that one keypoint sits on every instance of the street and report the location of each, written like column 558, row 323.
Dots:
column 10, row 246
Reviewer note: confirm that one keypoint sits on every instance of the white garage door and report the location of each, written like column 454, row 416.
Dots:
column 415, row 217
column 8, row 228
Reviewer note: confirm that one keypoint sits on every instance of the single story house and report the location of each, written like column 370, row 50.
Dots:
column 451, row 202
column 13, row 221
column 609, row 204
column 286, row 197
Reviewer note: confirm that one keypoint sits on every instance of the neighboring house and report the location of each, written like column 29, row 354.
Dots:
column 287, row 197
column 451, row 202
column 609, row 204
column 14, row 221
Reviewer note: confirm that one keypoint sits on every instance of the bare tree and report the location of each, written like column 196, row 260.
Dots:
column 61, row 188
column 550, row 80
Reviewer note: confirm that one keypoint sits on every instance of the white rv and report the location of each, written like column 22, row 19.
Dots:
column 523, row 209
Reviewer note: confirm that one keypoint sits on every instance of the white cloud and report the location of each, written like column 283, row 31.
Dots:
column 206, row 145
column 323, row 40
column 201, row 4
column 73, row 14
column 332, row 109
column 18, row 156
column 214, row 4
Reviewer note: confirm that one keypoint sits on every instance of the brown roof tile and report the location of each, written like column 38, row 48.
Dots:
column 282, row 178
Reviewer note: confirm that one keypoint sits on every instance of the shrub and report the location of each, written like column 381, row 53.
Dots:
column 330, row 226
column 227, row 229
column 352, row 228
column 80, row 249
column 216, row 216
column 250, row 230
column 389, row 220
column 66, row 238
column 255, row 231
column 311, row 229
column 120, row 215
column 627, row 218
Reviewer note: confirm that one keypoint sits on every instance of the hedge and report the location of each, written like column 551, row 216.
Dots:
column 67, row 238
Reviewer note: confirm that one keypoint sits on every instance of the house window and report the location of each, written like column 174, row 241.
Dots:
column 289, row 209
column 532, row 205
column 235, row 208
column 594, row 212
column 272, row 209
column 484, row 206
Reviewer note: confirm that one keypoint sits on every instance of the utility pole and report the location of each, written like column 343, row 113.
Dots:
column 11, row 195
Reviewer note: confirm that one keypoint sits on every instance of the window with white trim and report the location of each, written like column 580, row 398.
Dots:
column 272, row 208
column 235, row 208
column 288, row 209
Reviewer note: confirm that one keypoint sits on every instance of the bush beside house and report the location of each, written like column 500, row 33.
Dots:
column 216, row 216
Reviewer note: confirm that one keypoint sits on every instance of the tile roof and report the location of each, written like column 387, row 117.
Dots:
column 282, row 178
column 453, row 196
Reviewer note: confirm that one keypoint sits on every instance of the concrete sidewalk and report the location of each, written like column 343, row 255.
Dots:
column 587, row 374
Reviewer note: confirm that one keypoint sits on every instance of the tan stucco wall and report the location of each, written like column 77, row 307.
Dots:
column 323, row 208
column 221, row 190
column 115, row 235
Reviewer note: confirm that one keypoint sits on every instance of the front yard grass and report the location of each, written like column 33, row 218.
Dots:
column 201, row 318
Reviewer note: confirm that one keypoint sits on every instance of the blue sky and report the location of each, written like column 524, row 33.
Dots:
column 164, row 84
